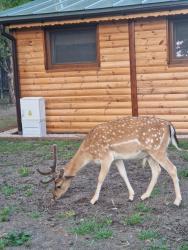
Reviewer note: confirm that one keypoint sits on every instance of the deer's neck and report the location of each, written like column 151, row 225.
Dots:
column 79, row 160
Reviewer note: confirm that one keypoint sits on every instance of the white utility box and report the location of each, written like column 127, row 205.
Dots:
column 33, row 116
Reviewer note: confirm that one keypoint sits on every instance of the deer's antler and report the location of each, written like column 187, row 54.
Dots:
column 53, row 167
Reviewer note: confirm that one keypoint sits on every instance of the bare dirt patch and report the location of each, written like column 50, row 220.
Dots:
column 152, row 224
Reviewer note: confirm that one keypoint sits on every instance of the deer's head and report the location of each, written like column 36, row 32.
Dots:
column 61, row 182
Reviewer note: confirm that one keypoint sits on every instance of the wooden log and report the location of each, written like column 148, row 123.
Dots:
column 88, row 105
column 149, row 55
column 151, row 41
column 114, row 51
column 163, row 104
column 67, row 130
column 113, row 37
column 88, row 118
column 163, row 90
column 163, row 83
column 114, row 44
column 111, row 28
column 115, row 58
column 159, row 69
column 81, row 112
column 163, row 76
column 107, row 98
column 159, row 97
column 150, row 34
column 164, row 111
column 79, row 79
column 75, row 92
column 115, row 64
column 74, row 86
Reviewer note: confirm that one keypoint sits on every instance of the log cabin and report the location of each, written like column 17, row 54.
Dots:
column 96, row 60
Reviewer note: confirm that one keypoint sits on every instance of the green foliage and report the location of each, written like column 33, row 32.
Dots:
column 156, row 191
column 67, row 214
column 98, row 228
column 6, row 4
column 134, row 219
column 141, row 207
column 35, row 215
column 7, row 190
column 5, row 214
column 184, row 246
column 148, row 235
column 183, row 173
column 158, row 244
column 27, row 189
column 14, row 239
column 23, row 171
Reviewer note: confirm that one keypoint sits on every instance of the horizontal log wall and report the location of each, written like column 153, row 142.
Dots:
column 162, row 90
column 78, row 100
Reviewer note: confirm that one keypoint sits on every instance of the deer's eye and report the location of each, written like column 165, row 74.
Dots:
column 58, row 186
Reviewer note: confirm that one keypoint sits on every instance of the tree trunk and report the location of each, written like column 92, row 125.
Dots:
column 11, row 81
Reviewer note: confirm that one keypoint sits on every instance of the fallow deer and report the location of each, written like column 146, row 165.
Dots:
column 125, row 138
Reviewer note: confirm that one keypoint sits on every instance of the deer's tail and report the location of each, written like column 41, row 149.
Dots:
column 174, row 139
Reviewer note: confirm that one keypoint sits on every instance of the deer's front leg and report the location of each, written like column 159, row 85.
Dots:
column 105, row 166
column 123, row 173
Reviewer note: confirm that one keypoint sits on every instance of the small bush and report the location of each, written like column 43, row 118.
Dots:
column 134, row 219
column 184, row 246
column 67, row 214
column 14, row 239
column 141, row 207
column 98, row 228
column 23, row 171
column 8, row 190
column 148, row 235
column 5, row 214
column 183, row 173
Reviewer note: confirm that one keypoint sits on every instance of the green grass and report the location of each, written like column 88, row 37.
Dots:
column 7, row 190
column 27, row 189
column 184, row 246
column 141, row 207
column 134, row 219
column 23, row 171
column 67, row 214
column 5, row 214
column 148, row 235
column 183, row 173
column 158, row 245
column 156, row 191
column 35, row 215
column 98, row 228
column 66, row 149
column 14, row 239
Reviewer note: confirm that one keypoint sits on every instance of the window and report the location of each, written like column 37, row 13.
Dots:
column 69, row 47
column 178, row 41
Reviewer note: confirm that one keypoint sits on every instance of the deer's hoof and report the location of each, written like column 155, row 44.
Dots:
column 144, row 196
column 93, row 201
column 131, row 197
column 177, row 202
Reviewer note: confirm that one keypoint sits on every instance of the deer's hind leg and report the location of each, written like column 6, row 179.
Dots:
column 155, row 170
column 172, row 171
column 123, row 173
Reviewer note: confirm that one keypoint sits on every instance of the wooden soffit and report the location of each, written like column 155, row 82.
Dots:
column 101, row 19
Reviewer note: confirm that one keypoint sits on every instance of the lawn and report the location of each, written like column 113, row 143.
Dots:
column 29, row 218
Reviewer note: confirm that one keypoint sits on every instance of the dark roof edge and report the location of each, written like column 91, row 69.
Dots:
column 94, row 13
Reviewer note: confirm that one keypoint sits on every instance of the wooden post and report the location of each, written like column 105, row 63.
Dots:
column 132, row 56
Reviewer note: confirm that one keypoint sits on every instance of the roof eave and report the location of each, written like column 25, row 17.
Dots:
column 94, row 13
